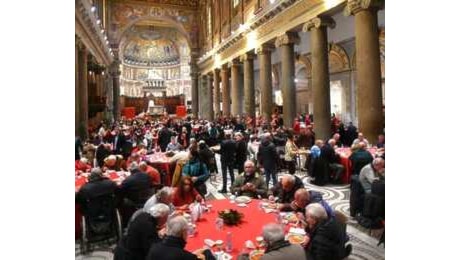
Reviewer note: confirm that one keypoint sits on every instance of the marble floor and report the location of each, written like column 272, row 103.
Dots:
column 364, row 241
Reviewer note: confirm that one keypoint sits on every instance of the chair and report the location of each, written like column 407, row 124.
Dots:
column 100, row 221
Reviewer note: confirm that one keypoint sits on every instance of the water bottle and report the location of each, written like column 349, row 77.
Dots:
column 228, row 243
column 219, row 224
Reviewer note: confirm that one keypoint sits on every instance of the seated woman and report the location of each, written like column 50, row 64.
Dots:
column 185, row 194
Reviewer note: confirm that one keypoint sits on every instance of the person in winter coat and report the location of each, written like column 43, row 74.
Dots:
column 277, row 247
column 198, row 171
column 267, row 157
column 326, row 239
column 172, row 246
column 285, row 190
column 143, row 231
column 303, row 198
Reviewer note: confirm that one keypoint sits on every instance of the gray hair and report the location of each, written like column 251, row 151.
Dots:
column 316, row 211
column 331, row 141
column 133, row 166
column 377, row 161
column 272, row 232
column 164, row 192
column 142, row 164
column 159, row 210
column 176, row 226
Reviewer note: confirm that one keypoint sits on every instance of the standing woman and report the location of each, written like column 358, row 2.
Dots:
column 291, row 152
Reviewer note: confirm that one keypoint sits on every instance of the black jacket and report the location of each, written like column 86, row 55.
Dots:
column 92, row 190
column 227, row 151
column 327, row 241
column 287, row 197
column 267, row 155
column 328, row 154
column 241, row 151
column 101, row 154
column 164, row 137
column 136, row 187
column 142, row 233
column 171, row 248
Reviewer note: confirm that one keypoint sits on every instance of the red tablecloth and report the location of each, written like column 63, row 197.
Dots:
column 250, row 228
column 79, row 182
column 344, row 160
column 161, row 161
column 129, row 112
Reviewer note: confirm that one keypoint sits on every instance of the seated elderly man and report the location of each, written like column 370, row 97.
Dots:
column 143, row 231
column 97, row 186
column 152, row 172
column 249, row 183
column 372, row 172
column 136, row 187
column 360, row 139
column 359, row 158
column 326, row 239
column 164, row 195
column 172, row 246
column 332, row 158
column 277, row 247
column 285, row 190
column 173, row 146
column 303, row 197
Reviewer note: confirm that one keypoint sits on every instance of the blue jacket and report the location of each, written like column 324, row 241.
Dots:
column 196, row 168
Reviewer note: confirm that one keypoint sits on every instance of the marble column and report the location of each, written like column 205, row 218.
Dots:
column 249, row 91
column 368, row 74
column 195, row 98
column 83, row 91
column 286, row 44
column 236, row 107
column 210, row 111
column 225, row 90
column 195, row 84
column 216, row 93
column 320, row 75
column 264, row 53
column 115, row 74
column 77, row 96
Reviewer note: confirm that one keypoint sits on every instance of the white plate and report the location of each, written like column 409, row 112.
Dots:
column 243, row 199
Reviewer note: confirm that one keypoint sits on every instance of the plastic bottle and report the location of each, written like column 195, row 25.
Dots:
column 219, row 224
column 228, row 243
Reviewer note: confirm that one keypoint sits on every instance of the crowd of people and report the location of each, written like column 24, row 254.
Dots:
column 258, row 149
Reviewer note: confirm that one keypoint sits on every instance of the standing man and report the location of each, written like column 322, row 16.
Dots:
column 241, row 152
column 227, row 159
column 267, row 157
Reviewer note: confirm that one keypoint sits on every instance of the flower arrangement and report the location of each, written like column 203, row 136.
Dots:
column 231, row 217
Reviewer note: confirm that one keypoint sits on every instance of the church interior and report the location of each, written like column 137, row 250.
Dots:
column 269, row 67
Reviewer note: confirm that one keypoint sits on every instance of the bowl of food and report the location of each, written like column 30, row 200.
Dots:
column 296, row 238
column 243, row 199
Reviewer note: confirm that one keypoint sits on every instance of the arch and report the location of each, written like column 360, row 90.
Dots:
column 338, row 59
column 304, row 59
column 176, row 25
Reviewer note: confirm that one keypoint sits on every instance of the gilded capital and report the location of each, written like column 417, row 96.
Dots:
column 265, row 48
column 247, row 56
column 287, row 38
column 355, row 6
column 318, row 22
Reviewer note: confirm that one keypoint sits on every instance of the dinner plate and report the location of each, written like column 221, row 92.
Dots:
column 243, row 199
column 256, row 254
column 295, row 238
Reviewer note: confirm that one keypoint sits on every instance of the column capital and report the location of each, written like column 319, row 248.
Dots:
column 247, row 56
column 287, row 38
column 115, row 69
column 224, row 67
column 194, row 74
column 216, row 70
column 317, row 22
column 355, row 6
column 234, row 62
column 265, row 48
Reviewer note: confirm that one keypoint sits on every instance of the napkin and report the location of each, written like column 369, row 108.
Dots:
column 269, row 210
column 241, row 205
column 209, row 242
column 297, row 231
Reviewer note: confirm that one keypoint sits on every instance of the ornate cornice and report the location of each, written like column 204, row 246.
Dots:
column 90, row 33
column 318, row 22
column 355, row 6
column 265, row 48
column 287, row 38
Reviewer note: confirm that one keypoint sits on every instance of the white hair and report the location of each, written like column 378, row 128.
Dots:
column 159, row 210
column 272, row 232
column 164, row 192
column 316, row 211
column 377, row 161
column 83, row 160
column 112, row 157
column 249, row 161
column 331, row 141
column 133, row 166
column 176, row 226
